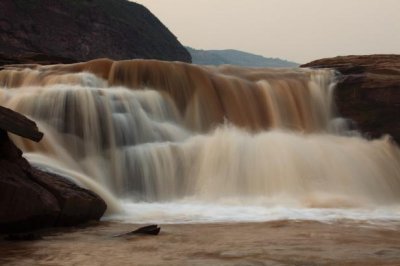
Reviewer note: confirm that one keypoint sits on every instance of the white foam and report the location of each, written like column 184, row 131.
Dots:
column 184, row 212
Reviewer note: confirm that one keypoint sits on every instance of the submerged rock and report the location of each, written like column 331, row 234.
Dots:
column 368, row 91
column 31, row 198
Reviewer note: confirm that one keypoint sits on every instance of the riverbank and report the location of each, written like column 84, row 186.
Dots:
column 271, row 243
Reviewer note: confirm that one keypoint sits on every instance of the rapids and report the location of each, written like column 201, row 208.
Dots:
column 159, row 140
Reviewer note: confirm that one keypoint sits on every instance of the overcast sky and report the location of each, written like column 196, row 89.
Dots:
column 297, row 30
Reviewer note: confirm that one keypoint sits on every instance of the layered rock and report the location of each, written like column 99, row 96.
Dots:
column 31, row 198
column 65, row 31
column 368, row 91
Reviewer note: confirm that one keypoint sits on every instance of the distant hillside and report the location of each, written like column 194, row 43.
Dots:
column 235, row 57
column 80, row 30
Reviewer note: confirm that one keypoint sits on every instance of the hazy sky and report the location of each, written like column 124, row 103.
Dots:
column 297, row 30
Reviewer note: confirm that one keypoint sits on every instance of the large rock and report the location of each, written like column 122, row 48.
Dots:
column 368, row 91
column 65, row 31
column 76, row 204
column 30, row 198
column 23, row 203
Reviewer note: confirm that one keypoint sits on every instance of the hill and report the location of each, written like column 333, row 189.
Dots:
column 79, row 30
column 235, row 57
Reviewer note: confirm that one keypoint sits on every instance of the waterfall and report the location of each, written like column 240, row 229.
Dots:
column 146, row 131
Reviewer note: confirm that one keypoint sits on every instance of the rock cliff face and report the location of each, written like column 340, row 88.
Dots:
column 66, row 31
column 368, row 91
column 30, row 198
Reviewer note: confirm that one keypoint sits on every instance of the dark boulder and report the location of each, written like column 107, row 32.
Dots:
column 76, row 204
column 23, row 203
column 31, row 198
column 368, row 91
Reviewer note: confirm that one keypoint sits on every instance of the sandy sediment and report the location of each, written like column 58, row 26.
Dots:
column 270, row 243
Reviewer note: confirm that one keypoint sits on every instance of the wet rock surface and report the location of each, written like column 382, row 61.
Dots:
column 368, row 91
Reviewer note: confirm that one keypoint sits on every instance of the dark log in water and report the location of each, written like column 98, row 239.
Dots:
column 145, row 230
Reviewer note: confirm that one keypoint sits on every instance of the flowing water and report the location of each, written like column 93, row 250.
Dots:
column 174, row 142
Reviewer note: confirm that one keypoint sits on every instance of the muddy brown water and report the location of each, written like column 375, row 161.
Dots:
column 270, row 243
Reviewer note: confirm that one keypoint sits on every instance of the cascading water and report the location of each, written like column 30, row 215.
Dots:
column 178, row 142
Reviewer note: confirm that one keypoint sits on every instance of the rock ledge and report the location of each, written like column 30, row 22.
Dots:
column 368, row 92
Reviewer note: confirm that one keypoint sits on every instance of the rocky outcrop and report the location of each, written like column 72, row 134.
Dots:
column 368, row 91
column 18, row 124
column 31, row 198
column 65, row 31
